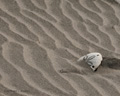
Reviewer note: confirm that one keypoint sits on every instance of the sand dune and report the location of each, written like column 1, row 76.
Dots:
column 41, row 40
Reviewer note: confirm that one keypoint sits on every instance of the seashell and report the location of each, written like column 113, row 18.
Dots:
column 92, row 59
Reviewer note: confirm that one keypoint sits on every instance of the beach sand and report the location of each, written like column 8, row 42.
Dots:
column 41, row 40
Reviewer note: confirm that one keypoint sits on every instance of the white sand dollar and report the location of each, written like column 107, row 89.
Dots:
column 92, row 59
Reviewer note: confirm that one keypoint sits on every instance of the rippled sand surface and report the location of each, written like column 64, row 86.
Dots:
column 41, row 40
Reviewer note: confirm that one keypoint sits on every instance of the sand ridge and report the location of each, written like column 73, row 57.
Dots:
column 41, row 40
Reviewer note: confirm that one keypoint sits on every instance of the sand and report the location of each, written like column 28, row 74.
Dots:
column 41, row 40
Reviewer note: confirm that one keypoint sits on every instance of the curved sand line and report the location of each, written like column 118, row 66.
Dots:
column 40, row 41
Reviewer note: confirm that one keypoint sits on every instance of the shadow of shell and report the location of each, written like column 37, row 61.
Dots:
column 113, row 63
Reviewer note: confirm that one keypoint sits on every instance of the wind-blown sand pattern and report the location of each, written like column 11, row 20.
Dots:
column 41, row 40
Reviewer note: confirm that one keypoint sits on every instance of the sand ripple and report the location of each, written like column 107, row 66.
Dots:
column 40, row 41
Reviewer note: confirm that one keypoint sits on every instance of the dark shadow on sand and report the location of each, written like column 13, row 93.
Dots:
column 113, row 63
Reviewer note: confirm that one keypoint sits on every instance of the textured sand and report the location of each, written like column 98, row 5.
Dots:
column 41, row 40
